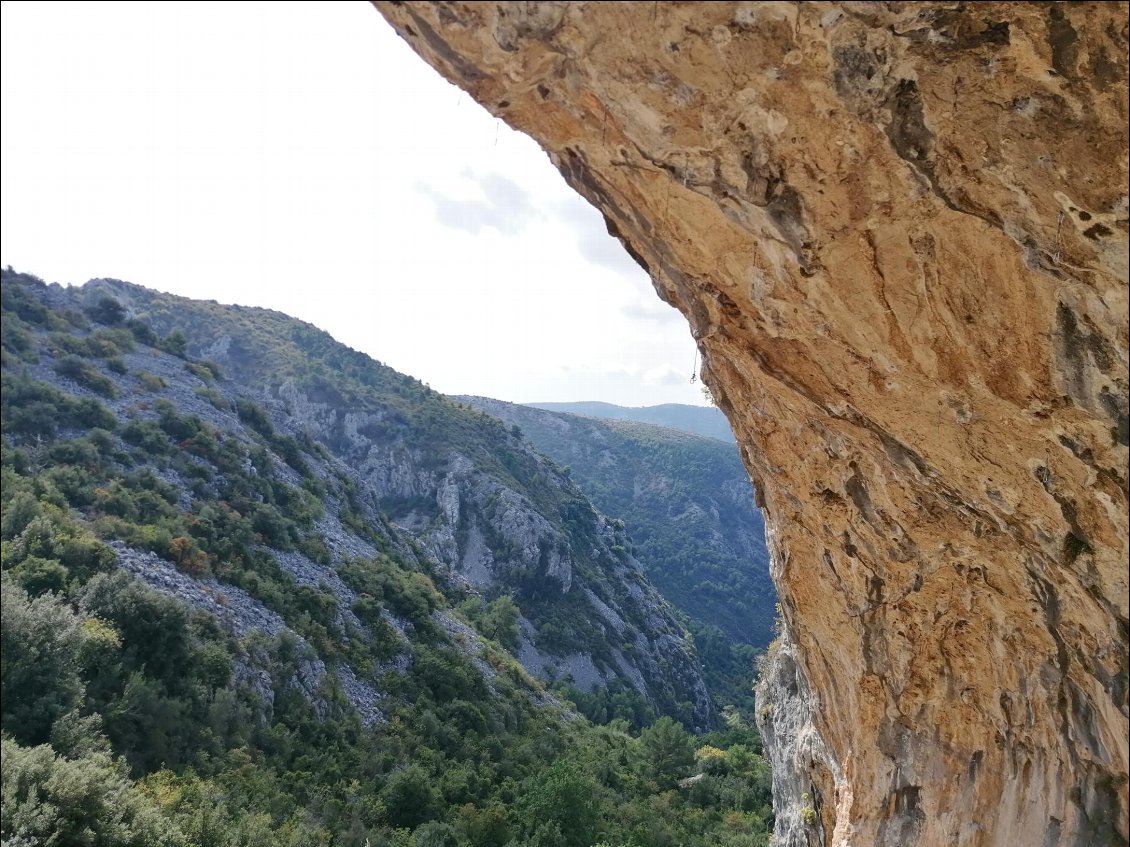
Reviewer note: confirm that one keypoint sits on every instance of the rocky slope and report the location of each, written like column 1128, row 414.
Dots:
column 687, row 507
column 686, row 503
column 207, row 448
column 899, row 234
column 481, row 505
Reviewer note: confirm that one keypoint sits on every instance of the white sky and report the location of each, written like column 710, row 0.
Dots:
column 299, row 156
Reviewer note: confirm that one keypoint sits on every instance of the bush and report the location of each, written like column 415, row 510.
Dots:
column 214, row 397
column 20, row 511
column 435, row 834
column 175, row 343
column 153, row 627
column 89, row 800
column 409, row 797
column 38, row 576
column 667, row 750
column 107, row 311
column 77, row 550
column 39, row 677
column 148, row 436
column 200, row 372
column 13, row 336
column 33, row 408
column 560, row 804
column 74, row 368
column 255, row 417
column 142, row 332
column 497, row 620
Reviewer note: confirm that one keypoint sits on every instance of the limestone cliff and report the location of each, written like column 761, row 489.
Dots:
column 899, row 234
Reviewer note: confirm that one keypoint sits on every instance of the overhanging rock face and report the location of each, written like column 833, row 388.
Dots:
column 899, row 233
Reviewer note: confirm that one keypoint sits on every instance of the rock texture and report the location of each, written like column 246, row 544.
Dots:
column 899, row 234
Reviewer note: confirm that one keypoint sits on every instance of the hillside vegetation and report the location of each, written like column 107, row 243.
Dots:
column 243, row 604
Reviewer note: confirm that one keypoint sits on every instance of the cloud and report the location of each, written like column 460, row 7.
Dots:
column 665, row 374
column 593, row 241
column 618, row 369
column 650, row 309
column 607, row 252
column 504, row 205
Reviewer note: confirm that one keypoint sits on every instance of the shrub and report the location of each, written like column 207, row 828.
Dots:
column 255, row 417
column 89, row 800
column 21, row 510
column 153, row 627
column 38, row 576
column 148, row 436
column 497, row 620
column 560, row 804
column 142, row 332
column 667, row 750
column 39, row 677
column 33, row 408
column 409, row 797
column 13, row 337
column 200, row 372
column 74, row 368
column 214, row 397
column 107, row 311
column 175, row 343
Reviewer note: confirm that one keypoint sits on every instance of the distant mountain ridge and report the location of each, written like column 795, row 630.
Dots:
column 706, row 421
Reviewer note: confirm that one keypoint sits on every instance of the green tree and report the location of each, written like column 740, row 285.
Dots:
column 409, row 797
column 153, row 627
column 108, row 311
column 667, row 751
column 489, row 827
column 47, row 799
column 435, row 834
column 559, row 807
column 40, row 640
column 501, row 621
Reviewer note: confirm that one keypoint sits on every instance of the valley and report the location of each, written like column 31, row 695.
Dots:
column 260, row 589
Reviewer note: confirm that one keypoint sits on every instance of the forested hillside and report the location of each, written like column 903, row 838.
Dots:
column 239, row 606
column 688, row 508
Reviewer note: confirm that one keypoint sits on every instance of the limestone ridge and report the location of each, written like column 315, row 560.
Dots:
column 899, row 234
column 469, row 496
